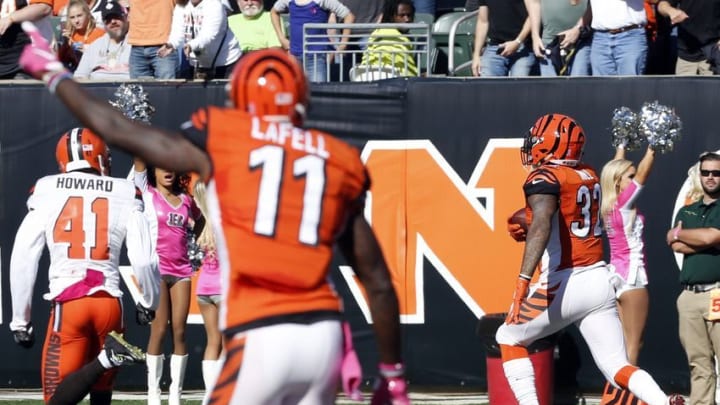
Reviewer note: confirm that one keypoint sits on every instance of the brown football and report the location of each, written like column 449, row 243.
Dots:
column 518, row 217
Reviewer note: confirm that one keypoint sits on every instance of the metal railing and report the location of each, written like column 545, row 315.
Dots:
column 451, row 44
column 350, row 64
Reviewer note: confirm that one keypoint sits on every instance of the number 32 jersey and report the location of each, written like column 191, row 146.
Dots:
column 576, row 232
column 280, row 196
column 83, row 219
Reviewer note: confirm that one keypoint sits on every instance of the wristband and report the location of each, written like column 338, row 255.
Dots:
column 388, row 370
column 519, row 42
column 676, row 233
column 524, row 277
column 54, row 78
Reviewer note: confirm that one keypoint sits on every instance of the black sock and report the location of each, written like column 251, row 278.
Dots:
column 75, row 386
column 100, row 397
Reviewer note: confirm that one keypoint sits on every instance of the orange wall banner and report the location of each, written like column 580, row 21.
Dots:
column 422, row 210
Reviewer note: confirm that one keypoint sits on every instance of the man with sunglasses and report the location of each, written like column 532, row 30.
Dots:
column 108, row 57
column 697, row 235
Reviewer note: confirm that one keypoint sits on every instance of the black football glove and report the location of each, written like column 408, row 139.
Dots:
column 143, row 316
column 24, row 337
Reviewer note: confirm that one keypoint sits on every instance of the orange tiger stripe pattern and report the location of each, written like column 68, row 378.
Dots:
column 537, row 303
column 225, row 385
column 619, row 396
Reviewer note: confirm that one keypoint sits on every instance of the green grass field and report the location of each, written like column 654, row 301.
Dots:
column 35, row 402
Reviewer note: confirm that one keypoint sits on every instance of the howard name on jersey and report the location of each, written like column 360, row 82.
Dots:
column 84, row 219
column 575, row 238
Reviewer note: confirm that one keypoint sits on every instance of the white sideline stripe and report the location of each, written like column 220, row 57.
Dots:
column 418, row 398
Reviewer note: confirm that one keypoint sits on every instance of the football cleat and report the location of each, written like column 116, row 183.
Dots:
column 120, row 352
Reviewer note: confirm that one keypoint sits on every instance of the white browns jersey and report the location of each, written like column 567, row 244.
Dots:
column 83, row 219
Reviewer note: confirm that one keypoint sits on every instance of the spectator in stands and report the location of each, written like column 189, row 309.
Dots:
column 502, row 39
column 150, row 25
column 698, row 26
column 389, row 48
column 302, row 12
column 97, row 7
column 201, row 28
column 253, row 28
column 365, row 12
column 60, row 8
column 12, row 37
column 108, row 58
column 80, row 31
column 559, row 27
column 662, row 42
column 619, row 45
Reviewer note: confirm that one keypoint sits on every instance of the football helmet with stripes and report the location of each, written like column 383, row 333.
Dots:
column 269, row 83
column 80, row 149
column 554, row 138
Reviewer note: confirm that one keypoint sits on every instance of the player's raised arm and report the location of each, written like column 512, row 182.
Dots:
column 156, row 146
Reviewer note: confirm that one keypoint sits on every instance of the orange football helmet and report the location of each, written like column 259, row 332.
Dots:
column 80, row 149
column 554, row 138
column 269, row 82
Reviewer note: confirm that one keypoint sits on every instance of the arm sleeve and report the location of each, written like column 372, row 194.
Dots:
column 680, row 216
column 281, row 5
column 336, row 7
column 139, row 179
column 541, row 181
column 212, row 26
column 87, row 62
column 143, row 259
column 177, row 29
column 28, row 247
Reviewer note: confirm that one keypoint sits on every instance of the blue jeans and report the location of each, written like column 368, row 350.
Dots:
column 579, row 66
column 144, row 62
column 619, row 54
column 425, row 6
column 517, row 64
column 315, row 67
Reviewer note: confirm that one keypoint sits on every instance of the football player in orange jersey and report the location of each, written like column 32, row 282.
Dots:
column 280, row 198
column 562, row 209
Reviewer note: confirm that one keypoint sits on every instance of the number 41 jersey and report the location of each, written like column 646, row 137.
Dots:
column 280, row 196
column 83, row 218
column 576, row 232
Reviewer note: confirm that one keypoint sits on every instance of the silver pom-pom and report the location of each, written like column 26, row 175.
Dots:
column 660, row 125
column 132, row 101
column 624, row 129
column 195, row 253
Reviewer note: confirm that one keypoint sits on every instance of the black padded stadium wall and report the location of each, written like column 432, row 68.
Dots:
column 454, row 121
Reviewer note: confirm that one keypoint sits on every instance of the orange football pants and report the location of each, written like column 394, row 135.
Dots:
column 75, row 335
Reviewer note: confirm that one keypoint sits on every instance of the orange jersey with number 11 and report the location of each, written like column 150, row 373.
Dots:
column 280, row 197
